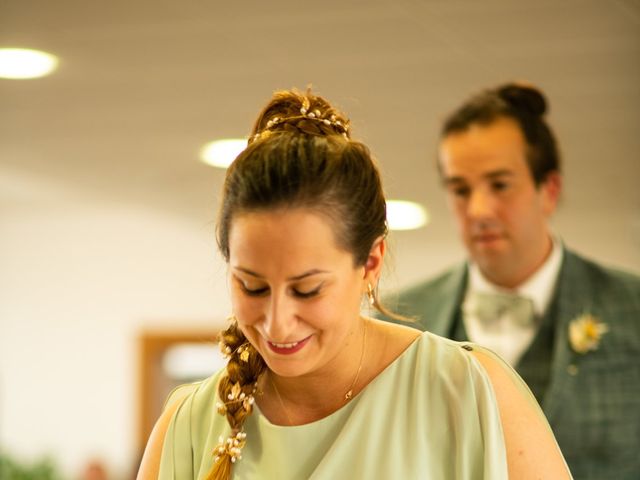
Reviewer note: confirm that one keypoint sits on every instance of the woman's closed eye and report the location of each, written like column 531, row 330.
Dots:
column 253, row 290
column 307, row 293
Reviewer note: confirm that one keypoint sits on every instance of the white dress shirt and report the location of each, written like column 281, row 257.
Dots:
column 505, row 335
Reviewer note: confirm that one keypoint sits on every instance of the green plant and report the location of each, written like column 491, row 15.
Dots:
column 12, row 469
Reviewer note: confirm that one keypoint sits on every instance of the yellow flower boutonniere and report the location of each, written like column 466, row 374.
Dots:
column 585, row 333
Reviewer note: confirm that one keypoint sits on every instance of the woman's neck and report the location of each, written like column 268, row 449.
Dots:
column 307, row 398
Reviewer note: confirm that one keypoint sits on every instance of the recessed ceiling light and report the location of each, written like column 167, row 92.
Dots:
column 404, row 215
column 21, row 63
column 221, row 153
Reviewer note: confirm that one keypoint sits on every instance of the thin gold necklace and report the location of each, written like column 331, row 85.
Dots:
column 348, row 396
column 284, row 409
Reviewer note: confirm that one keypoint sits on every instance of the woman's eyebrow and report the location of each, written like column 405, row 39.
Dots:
column 308, row 273
column 314, row 271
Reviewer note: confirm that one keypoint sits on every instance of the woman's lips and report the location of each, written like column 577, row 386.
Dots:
column 288, row 348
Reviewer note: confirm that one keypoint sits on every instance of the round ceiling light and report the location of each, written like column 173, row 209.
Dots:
column 221, row 153
column 405, row 215
column 22, row 63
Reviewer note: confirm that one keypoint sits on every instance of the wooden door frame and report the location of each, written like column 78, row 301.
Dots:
column 151, row 346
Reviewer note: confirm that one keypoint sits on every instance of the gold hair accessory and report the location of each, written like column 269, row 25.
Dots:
column 243, row 352
column 315, row 115
column 238, row 396
column 231, row 447
column 225, row 349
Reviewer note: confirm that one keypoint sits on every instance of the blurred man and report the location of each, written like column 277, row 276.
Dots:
column 569, row 326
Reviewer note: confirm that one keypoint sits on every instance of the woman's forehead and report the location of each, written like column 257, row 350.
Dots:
column 284, row 236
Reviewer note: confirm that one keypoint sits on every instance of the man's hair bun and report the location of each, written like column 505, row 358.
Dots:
column 523, row 98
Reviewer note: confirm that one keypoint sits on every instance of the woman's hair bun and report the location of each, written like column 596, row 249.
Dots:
column 523, row 98
column 300, row 112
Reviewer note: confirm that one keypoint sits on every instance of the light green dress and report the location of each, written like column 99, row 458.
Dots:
column 431, row 414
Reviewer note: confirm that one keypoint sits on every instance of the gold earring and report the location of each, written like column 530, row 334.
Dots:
column 371, row 295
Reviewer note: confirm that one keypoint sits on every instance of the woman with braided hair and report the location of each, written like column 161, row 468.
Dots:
column 313, row 388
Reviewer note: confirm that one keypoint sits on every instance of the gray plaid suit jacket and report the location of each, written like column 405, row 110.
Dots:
column 592, row 400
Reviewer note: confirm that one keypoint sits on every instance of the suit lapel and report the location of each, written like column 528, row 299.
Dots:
column 567, row 302
column 448, row 305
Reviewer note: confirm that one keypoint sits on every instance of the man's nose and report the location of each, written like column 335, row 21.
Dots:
column 481, row 204
column 280, row 318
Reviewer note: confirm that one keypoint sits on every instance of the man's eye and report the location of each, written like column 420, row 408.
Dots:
column 499, row 186
column 460, row 191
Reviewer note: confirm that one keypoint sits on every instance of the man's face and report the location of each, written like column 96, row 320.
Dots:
column 501, row 214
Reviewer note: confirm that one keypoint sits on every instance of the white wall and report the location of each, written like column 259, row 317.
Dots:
column 78, row 281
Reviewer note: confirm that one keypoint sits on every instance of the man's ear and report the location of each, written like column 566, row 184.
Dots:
column 551, row 189
column 375, row 260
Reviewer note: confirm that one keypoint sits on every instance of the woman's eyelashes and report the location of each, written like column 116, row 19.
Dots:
column 253, row 292
column 307, row 294
column 300, row 292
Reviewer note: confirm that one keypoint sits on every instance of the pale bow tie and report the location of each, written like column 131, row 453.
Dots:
column 489, row 307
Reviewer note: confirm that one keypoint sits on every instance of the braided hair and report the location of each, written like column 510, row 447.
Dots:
column 236, row 390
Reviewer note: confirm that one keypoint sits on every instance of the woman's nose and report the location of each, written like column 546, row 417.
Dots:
column 280, row 319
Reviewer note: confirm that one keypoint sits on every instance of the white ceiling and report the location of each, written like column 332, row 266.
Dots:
column 142, row 85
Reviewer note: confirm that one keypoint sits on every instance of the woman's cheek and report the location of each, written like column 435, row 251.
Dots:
column 320, row 314
column 246, row 309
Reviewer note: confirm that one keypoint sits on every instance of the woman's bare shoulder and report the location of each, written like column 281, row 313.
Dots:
column 532, row 451
column 150, row 464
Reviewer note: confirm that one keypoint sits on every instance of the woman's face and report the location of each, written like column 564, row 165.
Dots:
column 296, row 295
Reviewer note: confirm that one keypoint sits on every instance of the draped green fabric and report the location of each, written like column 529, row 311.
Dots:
column 431, row 414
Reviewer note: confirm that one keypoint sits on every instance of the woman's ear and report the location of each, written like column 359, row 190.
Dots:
column 375, row 260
